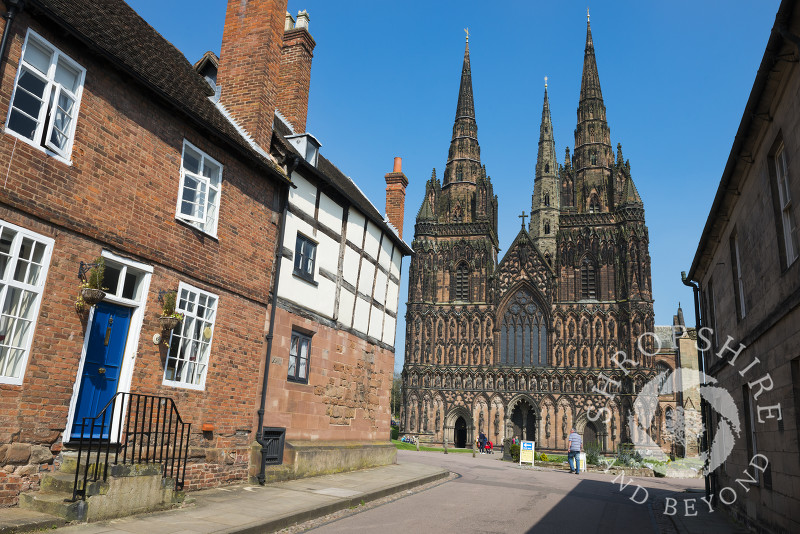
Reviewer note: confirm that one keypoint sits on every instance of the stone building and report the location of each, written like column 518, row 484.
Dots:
column 115, row 146
column 524, row 345
column 747, row 276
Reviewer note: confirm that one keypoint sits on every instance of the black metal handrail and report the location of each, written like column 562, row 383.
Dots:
column 152, row 425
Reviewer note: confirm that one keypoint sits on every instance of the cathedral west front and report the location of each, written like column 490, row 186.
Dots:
column 526, row 345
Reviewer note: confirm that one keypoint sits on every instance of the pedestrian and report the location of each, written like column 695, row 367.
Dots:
column 482, row 442
column 574, row 450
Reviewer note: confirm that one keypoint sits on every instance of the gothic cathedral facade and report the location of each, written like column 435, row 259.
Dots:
column 526, row 346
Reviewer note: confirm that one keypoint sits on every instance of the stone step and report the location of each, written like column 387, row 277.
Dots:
column 69, row 459
column 57, row 504
column 64, row 482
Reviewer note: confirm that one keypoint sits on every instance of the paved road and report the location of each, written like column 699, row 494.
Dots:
column 491, row 496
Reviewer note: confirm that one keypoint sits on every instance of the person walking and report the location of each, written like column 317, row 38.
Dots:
column 482, row 442
column 574, row 450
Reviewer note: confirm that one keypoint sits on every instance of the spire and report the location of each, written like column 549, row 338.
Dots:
column 630, row 196
column 590, row 82
column 464, row 157
column 546, row 162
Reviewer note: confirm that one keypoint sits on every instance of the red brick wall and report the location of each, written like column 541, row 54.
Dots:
column 249, row 63
column 120, row 193
column 349, row 387
column 396, row 183
column 295, row 76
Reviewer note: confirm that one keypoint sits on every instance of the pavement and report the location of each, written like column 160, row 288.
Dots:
column 245, row 508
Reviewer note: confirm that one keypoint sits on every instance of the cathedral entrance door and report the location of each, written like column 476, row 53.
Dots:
column 523, row 418
column 590, row 434
column 460, row 433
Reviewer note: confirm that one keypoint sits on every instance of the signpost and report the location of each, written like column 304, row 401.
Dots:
column 526, row 452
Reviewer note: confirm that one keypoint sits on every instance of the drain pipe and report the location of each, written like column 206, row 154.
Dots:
column 13, row 7
column 703, row 404
column 292, row 165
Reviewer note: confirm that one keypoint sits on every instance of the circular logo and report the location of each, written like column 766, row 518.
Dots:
column 686, row 381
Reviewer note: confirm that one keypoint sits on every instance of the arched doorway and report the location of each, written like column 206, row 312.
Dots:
column 460, row 433
column 590, row 434
column 523, row 420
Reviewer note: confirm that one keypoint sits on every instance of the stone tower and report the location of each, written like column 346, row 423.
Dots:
column 546, row 202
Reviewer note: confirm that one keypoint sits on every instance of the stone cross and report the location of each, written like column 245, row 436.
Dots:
column 523, row 217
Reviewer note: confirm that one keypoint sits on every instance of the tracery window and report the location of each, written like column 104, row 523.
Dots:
column 461, row 283
column 588, row 279
column 523, row 334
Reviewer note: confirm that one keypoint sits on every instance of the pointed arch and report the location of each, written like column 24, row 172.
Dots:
column 460, row 289
column 523, row 327
column 588, row 277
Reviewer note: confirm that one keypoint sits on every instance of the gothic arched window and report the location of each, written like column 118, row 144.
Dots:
column 461, row 282
column 594, row 204
column 523, row 333
column 546, row 167
column 547, row 199
column 588, row 279
column 547, row 228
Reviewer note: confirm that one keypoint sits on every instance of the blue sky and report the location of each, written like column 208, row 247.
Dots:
column 675, row 78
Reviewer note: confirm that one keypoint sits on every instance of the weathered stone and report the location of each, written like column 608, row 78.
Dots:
column 40, row 455
column 3, row 449
column 30, row 469
column 18, row 453
column 38, row 436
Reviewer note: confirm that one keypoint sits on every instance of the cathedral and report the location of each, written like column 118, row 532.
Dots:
column 526, row 345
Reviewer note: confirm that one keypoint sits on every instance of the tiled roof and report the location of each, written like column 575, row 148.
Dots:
column 112, row 29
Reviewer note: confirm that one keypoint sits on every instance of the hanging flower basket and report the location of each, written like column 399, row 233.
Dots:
column 92, row 296
column 169, row 323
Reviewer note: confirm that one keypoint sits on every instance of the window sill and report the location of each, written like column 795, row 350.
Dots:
column 40, row 148
column 304, row 278
column 183, row 385
column 193, row 226
column 299, row 381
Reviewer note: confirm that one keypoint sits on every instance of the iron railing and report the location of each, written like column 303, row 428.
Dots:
column 152, row 432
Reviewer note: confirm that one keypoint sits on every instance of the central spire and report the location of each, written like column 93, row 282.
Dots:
column 464, row 157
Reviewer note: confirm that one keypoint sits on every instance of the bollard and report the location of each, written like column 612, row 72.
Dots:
column 444, row 443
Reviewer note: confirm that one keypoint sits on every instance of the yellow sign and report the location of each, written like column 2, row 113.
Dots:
column 526, row 452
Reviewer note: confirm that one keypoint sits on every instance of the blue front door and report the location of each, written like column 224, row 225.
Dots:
column 107, row 337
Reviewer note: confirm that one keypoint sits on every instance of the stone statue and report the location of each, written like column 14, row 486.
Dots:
column 496, row 423
column 413, row 421
column 480, row 421
column 437, row 422
column 564, row 425
column 547, row 426
column 425, row 419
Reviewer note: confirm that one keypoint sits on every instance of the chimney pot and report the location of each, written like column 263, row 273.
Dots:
column 398, row 164
column 289, row 24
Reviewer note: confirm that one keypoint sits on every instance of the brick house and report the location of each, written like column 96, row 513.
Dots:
column 747, row 275
column 116, row 147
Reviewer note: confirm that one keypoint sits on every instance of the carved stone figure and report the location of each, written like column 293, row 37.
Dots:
column 413, row 422
column 425, row 419
column 564, row 425
column 547, row 426
column 437, row 422
column 497, row 422
column 480, row 421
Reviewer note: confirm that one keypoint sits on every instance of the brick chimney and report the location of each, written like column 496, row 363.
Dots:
column 396, row 183
column 295, row 71
column 249, row 64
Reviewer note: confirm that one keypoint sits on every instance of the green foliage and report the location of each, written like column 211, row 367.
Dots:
column 94, row 278
column 628, row 456
column 395, row 433
column 543, row 457
column 411, row 447
column 513, row 450
column 593, row 453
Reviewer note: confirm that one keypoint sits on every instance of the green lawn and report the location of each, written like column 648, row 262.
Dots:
column 411, row 447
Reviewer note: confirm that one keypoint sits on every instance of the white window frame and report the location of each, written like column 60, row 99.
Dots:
column 181, row 339
column 49, row 100
column 201, row 223
column 37, row 289
column 790, row 237
column 297, row 359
